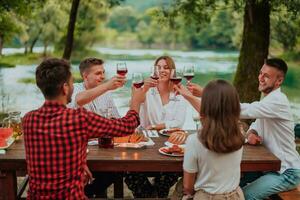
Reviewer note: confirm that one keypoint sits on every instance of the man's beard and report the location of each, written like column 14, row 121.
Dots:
column 268, row 89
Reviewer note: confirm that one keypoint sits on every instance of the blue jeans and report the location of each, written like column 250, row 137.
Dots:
column 272, row 183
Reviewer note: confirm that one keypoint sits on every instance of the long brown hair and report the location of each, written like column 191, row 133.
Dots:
column 220, row 111
column 170, row 62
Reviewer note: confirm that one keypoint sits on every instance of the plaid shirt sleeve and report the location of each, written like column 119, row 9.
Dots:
column 97, row 126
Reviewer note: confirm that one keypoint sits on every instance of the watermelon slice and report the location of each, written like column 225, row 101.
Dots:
column 5, row 133
column 3, row 142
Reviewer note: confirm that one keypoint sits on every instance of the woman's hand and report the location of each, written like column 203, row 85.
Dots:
column 148, row 83
column 195, row 89
column 182, row 90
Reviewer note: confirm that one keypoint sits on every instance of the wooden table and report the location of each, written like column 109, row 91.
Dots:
column 255, row 158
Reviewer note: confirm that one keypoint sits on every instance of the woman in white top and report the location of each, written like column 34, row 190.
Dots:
column 158, row 112
column 213, row 156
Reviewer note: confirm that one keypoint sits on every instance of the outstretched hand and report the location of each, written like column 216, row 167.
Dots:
column 148, row 83
column 116, row 82
column 182, row 90
column 195, row 89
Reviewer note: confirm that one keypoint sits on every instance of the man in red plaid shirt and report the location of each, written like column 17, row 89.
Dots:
column 56, row 136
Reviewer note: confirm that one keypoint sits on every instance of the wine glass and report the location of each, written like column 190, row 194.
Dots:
column 154, row 75
column 137, row 80
column 189, row 73
column 196, row 119
column 122, row 68
column 176, row 78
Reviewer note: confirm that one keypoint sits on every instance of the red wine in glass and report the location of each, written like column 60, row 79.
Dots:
column 189, row 77
column 155, row 77
column 138, row 84
column 176, row 80
column 122, row 72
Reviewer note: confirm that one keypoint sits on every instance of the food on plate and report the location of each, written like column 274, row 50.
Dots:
column 175, row 149
column 178, row 137
column 171, row 130
column 133, row 138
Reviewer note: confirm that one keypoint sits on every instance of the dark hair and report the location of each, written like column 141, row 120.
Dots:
column 278, row 64
column 168, row 59
column 88, row 63
column 220, row 112
column 50, row 76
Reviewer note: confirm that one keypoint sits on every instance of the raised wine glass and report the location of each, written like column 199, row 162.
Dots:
column 154, row 75
column 176, row 78
column 189, row 73
column 122, row 68
column 137, row 80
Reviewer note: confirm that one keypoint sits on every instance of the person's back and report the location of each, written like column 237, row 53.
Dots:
column 219, row 173
column 213, row 156
column 56, row 168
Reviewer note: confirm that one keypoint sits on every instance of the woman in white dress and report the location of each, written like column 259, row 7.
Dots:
column 159, row 111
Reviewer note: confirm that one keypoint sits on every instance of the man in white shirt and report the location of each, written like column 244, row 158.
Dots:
column 94, row 95
column 274, row 128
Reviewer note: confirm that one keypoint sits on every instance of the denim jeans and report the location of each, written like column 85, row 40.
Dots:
column 271, row 183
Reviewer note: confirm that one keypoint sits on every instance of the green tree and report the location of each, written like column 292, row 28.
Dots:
column 8, row 27
column 123, row 19
column 10, row 10
column 72, row 22
column 71, row 28
column 255, row 38
column 145, row 34
column 286, row 29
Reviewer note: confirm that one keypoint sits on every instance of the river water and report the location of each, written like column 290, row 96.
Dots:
column 23, row 97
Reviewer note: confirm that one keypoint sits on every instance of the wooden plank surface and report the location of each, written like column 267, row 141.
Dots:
column 255, row 158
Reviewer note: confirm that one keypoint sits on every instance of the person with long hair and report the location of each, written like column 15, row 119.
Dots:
column 159, row 111
column 213, row 156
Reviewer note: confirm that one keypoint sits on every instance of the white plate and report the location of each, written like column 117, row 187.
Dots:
column 9, row 142
column 170, row 154
column 163, row 132
column 169, row 144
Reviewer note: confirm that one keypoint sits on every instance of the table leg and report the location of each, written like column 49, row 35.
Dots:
column 118, row 187
column 8, row 181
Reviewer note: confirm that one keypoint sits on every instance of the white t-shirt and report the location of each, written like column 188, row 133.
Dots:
column 274, row 123
column 217, row 173
column 99, row 105
column 153, row 112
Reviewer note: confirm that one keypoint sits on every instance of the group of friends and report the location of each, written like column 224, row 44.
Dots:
column 57, row 133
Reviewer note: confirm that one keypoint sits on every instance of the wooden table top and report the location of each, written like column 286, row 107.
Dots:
column 255, row 158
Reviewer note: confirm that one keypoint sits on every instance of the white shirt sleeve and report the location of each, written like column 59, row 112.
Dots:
column 190, row 159
column 269, row 108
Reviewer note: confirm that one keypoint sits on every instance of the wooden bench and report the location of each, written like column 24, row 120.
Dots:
column 290, row 195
